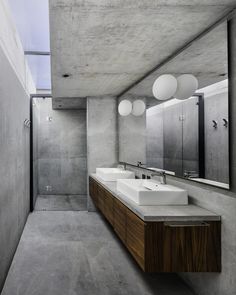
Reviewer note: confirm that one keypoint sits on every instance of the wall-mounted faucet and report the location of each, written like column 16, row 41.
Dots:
column 162, row 175
column 139, row 164
column 190, row 174
column 123, row 164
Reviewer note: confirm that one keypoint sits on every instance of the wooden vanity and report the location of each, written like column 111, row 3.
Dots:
column 168, row 245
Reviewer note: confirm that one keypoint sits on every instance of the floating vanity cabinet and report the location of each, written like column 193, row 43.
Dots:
column 171, row 246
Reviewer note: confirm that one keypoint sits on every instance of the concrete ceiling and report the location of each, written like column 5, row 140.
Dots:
column 71, row 103
column 206, row 59
column 107, row 45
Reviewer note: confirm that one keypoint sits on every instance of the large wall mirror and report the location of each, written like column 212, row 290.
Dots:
column 186, row 138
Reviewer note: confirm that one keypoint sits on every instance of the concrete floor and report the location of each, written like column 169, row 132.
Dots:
column 61, row 203
column 69, row 253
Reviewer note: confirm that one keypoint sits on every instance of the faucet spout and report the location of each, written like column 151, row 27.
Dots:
column 140, row 164
column 162, row 175
column 124, row 165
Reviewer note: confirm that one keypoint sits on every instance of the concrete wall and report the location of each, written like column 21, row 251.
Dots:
column 36, row 122
column 62, row 150
column 12, row 47
column 15, row 86
column 14, row 163
column 102, row 141
column 132, row 136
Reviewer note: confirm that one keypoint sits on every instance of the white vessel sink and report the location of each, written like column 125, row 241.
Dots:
column 150, row 192
column 112, row 174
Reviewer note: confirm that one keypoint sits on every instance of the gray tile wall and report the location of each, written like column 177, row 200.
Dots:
column 62, row 151
column 102, row 141
column 14, row 163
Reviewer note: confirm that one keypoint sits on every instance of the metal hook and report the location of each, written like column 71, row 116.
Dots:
column 215, row 124
column 225, row 122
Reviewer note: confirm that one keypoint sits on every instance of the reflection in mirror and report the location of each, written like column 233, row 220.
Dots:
column 186, row 138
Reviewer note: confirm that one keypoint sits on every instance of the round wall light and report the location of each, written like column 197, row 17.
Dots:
column 164, row 87
column 187, row 85
column 125, row 107
column 139, row 107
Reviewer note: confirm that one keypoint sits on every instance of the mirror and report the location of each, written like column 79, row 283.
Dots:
column 186, row 138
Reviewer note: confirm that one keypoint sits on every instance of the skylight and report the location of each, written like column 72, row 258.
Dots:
column 32, row 21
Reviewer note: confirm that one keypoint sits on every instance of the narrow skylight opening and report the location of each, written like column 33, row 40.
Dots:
column 32, row 22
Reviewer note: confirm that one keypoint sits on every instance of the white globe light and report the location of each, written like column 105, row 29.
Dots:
column 187, row 85
column 139, row 107
column 164, row 87
column 125, row 107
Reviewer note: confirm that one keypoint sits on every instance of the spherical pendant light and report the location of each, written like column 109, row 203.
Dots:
column 164, row 87
column 139, row 107
column 125, row 107
column 187, row 85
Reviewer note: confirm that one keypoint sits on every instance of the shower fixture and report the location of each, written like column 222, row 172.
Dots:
column 225, row 122
column 215, row 124
column 27, row 123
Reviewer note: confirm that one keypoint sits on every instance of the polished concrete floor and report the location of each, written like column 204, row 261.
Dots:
column 61, row 203
column 70, row 253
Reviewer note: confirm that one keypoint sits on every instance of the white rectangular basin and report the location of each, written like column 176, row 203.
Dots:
column 112, row 174
column 150, row 192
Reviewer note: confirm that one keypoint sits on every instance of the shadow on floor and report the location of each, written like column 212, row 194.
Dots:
column 70, row 253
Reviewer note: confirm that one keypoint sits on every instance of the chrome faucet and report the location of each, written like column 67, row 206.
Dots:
column 139, row 164
column 124, row 165
column 162, row 175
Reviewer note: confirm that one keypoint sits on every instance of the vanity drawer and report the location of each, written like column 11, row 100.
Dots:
column 119, row 222
column 100, row 199
column 135, row 237
column 108, row 207
column 192, row 246
column 93, row 191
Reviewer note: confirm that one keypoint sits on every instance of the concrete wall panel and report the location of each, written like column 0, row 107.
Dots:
column 102, row 134
column 62, row 150
column 14, row 163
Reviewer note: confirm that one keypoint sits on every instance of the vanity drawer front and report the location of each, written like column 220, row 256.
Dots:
column 100, row 198
column 119, row 222
column 135, row 237
column 93, row 191
column 192, row 247
column 108, row 207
